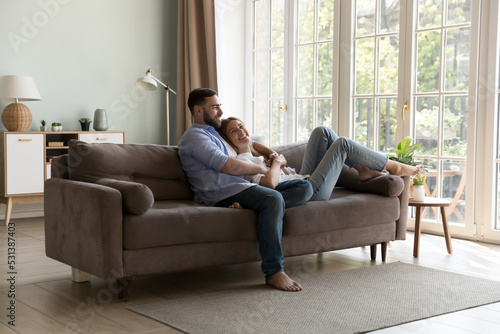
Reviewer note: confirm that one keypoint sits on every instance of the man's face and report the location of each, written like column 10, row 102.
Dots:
column 212, row 113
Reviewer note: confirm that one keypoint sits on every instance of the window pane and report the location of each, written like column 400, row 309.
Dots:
column 325, row 69
column 387, row 124
column 388, row 68
column 497, row 225
column 261, row 33
column 278, row 23
column 325, row 20
column 305, row 73
column 427, row 124
column 305, row 21
column 277, row 123
column 363, row 121
column 455, row 126
column 277, row 72
column 428, row 65
column 458, row 11
column 261, row 118
column 389, row 16
column 305, row 122
column 453, row 175
column 457, row 59
column 364, row 65
column 324, row 112
column 261, row 74
column 365, row 17
column 429, row 13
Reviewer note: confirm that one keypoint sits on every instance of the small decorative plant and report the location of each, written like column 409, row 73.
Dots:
column 85, row 123
column 419, row 180
column 56, row 126
column 43, row 122
column 85, row 120
column 404, row 152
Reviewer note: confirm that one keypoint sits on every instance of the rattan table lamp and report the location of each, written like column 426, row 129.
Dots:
column 16, row 116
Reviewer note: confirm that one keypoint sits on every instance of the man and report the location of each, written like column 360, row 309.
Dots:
column 215, row 179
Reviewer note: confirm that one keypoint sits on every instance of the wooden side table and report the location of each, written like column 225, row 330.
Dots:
column 430, row 202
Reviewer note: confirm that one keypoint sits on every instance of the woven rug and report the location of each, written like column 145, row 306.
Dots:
column 351, row 301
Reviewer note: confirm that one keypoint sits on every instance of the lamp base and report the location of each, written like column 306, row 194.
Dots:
column 16, row 117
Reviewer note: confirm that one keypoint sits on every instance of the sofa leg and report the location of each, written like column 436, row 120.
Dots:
column 383, row 246
column 80, row 276
column 124, row 287
column 373, row 252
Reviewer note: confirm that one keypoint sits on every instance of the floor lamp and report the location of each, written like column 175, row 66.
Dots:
column 148, row 82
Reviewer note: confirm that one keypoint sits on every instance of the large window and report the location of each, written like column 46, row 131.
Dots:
column 380, row 70
column 292, row 68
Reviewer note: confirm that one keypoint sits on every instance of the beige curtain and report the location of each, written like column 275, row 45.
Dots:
column 196, row 60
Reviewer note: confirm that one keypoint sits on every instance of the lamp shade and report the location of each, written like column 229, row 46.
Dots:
column 146, row 82
column 19, row 87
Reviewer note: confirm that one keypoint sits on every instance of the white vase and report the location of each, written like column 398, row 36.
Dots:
column 418, row 193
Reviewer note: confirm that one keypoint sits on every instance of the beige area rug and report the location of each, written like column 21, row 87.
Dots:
column 351, row 301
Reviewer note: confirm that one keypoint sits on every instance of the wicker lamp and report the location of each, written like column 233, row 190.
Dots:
column 16, row 116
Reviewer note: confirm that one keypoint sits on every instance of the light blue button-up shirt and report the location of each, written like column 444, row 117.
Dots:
column 203, row 153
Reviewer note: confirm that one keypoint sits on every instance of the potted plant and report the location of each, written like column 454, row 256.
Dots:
column 404, row 152
column 418, row 193
column 85, row 123
column 56, row 126
column 43, row 127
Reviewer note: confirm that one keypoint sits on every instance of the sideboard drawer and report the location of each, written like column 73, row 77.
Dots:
column 24, row 163
column 116, row 138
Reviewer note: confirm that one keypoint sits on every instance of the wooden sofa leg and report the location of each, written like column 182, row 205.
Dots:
column 384, row 250
column 80, row 276
column 373, row 252
column 124, row 287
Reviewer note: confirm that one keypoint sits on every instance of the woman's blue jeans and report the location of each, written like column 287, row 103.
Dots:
column 325, row 155
column 269, row 204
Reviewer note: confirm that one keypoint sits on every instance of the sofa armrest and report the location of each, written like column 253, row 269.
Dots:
column 401, row 223
column 84, row 226
column 387, row 185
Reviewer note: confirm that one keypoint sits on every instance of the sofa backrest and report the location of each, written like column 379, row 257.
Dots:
column 294, row 153
column 156, row 166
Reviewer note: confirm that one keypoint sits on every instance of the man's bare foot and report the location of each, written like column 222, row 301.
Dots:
column 399, row 169
column 366, row 173
column 236, row 205
column 281, row 281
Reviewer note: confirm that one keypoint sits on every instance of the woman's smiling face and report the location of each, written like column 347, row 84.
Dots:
column 237, row 134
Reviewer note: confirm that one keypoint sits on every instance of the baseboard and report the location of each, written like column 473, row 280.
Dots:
column 23, row 211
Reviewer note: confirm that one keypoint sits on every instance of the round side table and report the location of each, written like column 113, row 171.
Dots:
column 430, row 202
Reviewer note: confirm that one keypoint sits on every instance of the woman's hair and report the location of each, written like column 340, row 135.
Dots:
column 223, row 132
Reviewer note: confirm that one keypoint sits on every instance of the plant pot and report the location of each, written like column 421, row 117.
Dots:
column 43, row 128
column 85, row 126
column 418, row 193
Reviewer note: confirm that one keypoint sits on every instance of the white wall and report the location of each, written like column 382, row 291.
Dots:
column 87, row 54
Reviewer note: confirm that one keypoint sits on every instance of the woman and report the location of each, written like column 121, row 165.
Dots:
column 325, row 155
column 292, row 186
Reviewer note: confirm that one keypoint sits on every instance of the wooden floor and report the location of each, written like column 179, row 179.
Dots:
column 47, row 301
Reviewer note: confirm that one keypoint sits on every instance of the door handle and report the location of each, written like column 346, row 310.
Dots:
column 406, row 106
column 284, row 108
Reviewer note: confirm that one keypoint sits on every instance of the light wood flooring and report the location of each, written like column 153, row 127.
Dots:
column 47, row 301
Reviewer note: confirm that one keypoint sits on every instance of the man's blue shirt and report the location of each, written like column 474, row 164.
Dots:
column 203, row 153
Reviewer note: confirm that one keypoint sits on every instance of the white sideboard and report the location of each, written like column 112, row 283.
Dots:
column 26, row 160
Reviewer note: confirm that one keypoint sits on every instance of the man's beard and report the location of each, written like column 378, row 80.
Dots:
column 211, row 121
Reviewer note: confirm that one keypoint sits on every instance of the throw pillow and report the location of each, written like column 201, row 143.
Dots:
column 137, row 198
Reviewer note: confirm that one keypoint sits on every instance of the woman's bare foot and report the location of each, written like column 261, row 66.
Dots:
column 399, row 169
column 235, row 205
column 281, row 281
column 366, row 173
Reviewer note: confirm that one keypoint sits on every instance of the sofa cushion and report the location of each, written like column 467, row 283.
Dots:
column 137, row 198
column 170, row 223
column 184, row 222
column 156, row 166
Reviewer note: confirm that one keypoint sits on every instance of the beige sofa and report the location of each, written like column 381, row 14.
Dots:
column 116, row 211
